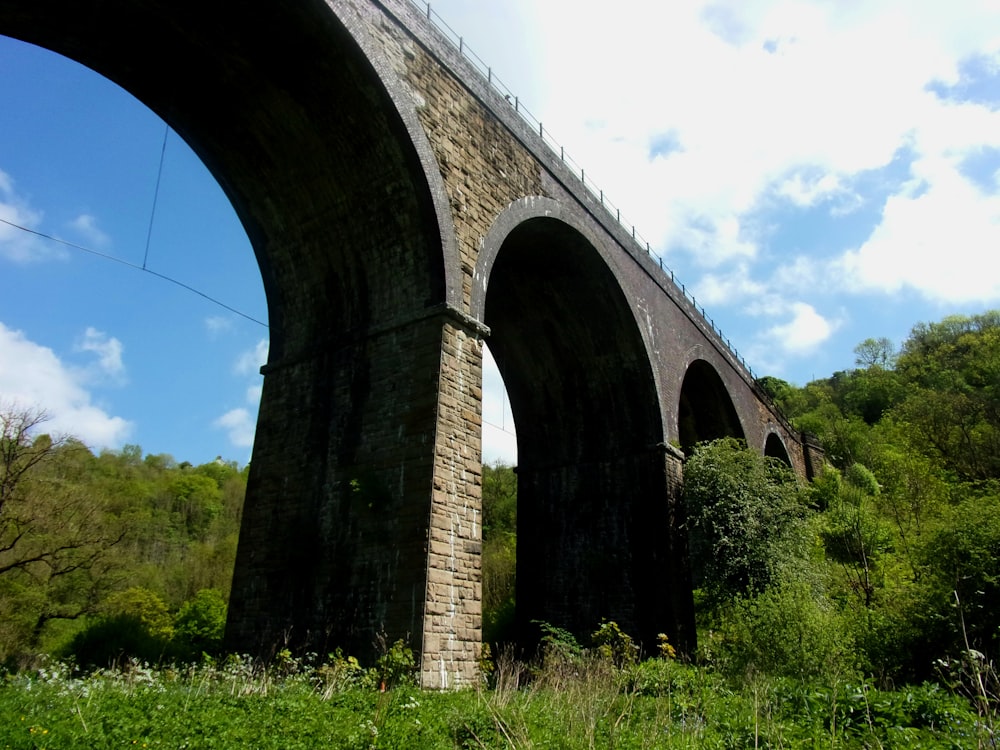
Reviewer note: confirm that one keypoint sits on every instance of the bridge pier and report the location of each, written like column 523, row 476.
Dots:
column 363, row 509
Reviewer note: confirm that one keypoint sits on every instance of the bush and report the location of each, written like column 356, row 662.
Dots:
column 614, row 645
column 787, row 631
column 396, row 665
column 143, row 605
column 742, row 514
column 114, row 640
column 201, row 623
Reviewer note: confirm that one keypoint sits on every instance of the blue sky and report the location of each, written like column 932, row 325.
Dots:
column 815, row 172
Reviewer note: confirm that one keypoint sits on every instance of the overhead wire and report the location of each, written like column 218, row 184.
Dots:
column 137, row 267
column 156, row 194
column 143, row 268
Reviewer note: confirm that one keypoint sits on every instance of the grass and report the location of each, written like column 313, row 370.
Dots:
column 583, row 702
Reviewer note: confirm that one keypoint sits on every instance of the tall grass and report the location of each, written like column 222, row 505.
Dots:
column 580, row 701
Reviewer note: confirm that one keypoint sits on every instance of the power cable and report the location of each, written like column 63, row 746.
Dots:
column 495, row 426
column 156, row 194
column 142, row 268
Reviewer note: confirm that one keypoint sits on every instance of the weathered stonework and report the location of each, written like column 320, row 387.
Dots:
column 453, row 622
column 403, row 214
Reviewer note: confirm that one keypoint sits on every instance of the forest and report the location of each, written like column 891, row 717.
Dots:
column 884, row 571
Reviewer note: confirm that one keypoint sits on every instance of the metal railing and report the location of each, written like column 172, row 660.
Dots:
column 536, row 125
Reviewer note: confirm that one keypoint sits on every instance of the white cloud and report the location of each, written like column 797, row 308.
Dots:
column 939, row 236
column 803, row 333
column 86, row 226
column 767, row 98
column 254, row 393
column 109, row 354
column 218, row 324
column 240, row 426
column 499, row 437
column 32, row 375
column 804, row 190
column 250, row 362
column 17, row 245
column 727, row 288
column 241, row 423
column 801, row 273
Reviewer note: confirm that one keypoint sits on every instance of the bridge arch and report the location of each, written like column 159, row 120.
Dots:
column 320, row 151
column 303, row 131
column 774, row 447
column 594, row 536
column 705, row 409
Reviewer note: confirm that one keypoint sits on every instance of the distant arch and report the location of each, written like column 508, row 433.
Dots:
column 705, row 409
column 774, row 447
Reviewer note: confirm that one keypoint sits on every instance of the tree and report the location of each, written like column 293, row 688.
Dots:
column 19, row 452
column 742, row 514
column 499, row 549
column 854, row 534
column 878, row 352
column 54, row 535
column 951, row 371
column 201, row 622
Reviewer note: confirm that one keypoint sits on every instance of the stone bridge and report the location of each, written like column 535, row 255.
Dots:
column 403, row 213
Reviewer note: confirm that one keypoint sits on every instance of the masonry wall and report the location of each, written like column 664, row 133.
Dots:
column 489, row 162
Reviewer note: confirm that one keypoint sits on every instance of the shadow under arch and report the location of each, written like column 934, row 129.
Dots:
column 706, row 410
column 775, row 448
column 325, row 164
column 595, row 512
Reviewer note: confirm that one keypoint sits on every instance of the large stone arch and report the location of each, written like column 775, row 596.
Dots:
column 596, row 482
column 310, row 135
column 706, row 410
column 320, row 151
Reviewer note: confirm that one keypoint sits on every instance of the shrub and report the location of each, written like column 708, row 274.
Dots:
column 113, row 640
column 786, row 631
column 742, row 514
column 143, row 605
column 614, row 645
column 201, row 622
column 396, row 665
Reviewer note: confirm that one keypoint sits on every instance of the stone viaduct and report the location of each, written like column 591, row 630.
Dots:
column 402, row 213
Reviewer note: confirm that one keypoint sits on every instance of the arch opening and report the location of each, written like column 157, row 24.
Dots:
column 706, row 411
column 775, row 448
column 592, row 505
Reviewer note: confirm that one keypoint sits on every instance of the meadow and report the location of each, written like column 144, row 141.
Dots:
column 578, row 701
